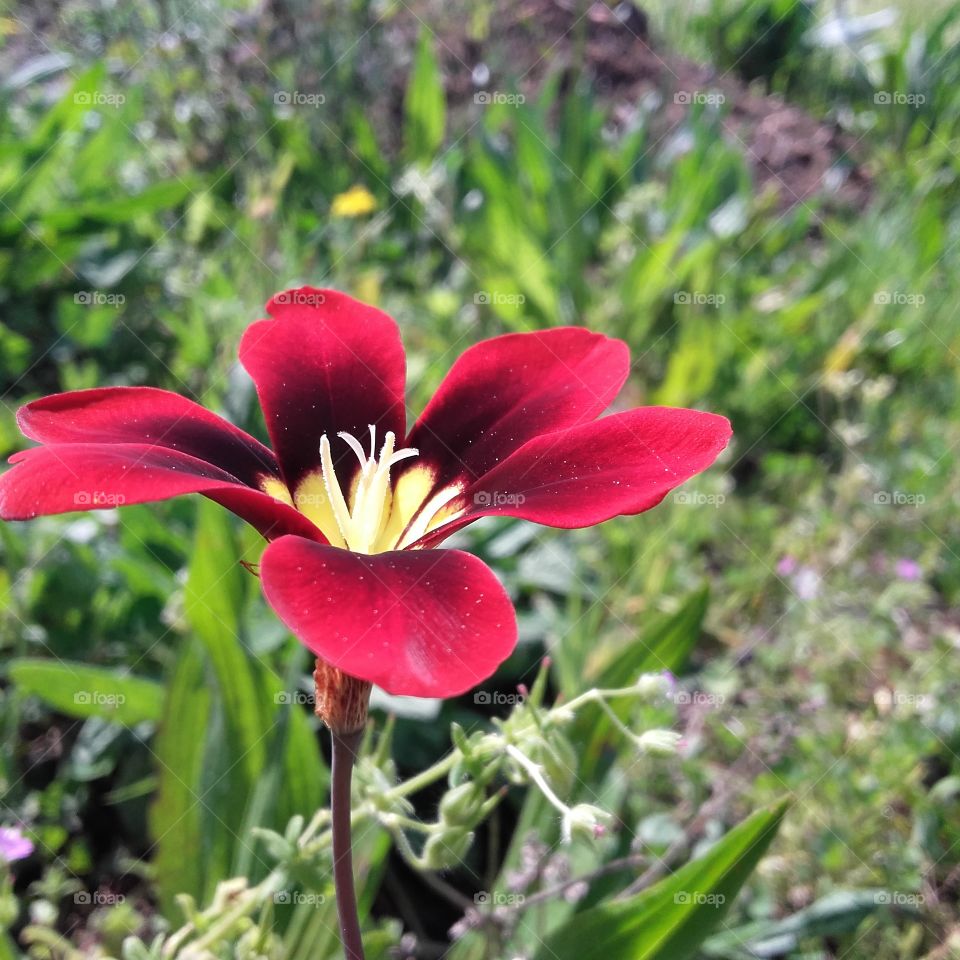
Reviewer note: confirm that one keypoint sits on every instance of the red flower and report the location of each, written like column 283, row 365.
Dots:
column 348, row 498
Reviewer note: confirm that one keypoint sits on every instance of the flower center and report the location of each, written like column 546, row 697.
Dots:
column 374, row 514
column 362, row 524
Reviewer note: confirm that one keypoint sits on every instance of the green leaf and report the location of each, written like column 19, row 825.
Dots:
column 82, row 691
column 294, row 778
column 693, row 363
column 69, row 112
column 260, row 759
column 670, row 920
column 153, row 199
column 837, row 913
column 664, row 645
column 7, row 950
column 425, row 105
column 214, row 597
column 178, row 813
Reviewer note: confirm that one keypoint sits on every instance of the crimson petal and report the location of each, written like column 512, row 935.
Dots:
column 63, row 477
column 270, row 517
column 324, row 363
column 503, row 392
column 619, row 465
column 148, row 416
column 420, row 623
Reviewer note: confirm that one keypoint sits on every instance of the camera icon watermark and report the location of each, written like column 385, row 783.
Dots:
column 98, row 499
column 699, row 899
column 487, row 298
column 486, row 98
column 887, row 98
column 903, row 698
column 97, row 298
column 98, row 898
column 495, row 698
column 297, row 897
column 302, row 500
column 97, row 98
column 698, row 298
column 498, row 498
column 898, row 498
column 696, row 698
column 294, row 696
column 696, row 499
column 96, row 698
column 885, row 298
column 709, row 98
column 494, row 898
column 297, row 98
column 895, row 898
column 301, row 298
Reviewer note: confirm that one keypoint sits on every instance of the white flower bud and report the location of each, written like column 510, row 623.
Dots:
column 651, row 686
column 583, row 820
column 659, row 743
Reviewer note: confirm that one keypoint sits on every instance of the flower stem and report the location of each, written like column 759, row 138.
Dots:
column 344, row 755
column 425, row 777
column 533, row 771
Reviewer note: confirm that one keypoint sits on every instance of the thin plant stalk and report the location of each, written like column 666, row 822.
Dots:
column 344, row 754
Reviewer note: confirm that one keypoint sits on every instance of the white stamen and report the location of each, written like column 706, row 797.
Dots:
column 341, row 512
column 354, row 445
column 427, row 514
column 403, row 455
column 362, row 525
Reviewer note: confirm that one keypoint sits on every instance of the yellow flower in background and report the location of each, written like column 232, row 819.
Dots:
column 356, row 202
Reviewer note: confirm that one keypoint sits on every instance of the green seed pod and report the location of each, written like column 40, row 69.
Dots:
column 294, row 829
column 277, row 847
column 460, row 739
column 447, row 848
column 459, row 773
column 460, row 806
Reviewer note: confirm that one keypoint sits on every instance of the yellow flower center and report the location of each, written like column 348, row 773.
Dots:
column 361, row 524
column 374, row 515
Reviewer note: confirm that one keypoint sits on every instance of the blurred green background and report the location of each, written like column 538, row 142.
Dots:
column 762, row 197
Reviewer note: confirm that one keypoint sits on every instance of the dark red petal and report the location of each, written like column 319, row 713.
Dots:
column 425, row 623
column 148, row 416
column 503, row 392
column 268, row 516
column 61, row 478
column 325, row 363
column 622, row 464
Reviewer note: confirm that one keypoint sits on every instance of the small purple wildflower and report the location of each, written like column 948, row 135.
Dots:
column 786, row 565
column 907, row 569
column 14, row 845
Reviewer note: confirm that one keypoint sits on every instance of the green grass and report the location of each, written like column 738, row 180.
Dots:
column 829, row 336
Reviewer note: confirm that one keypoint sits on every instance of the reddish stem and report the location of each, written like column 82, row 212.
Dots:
column 343, row 756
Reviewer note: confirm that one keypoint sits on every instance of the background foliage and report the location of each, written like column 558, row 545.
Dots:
column 165, row 167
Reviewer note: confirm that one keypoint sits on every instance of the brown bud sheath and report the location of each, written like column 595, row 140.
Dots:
column 342, row 700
